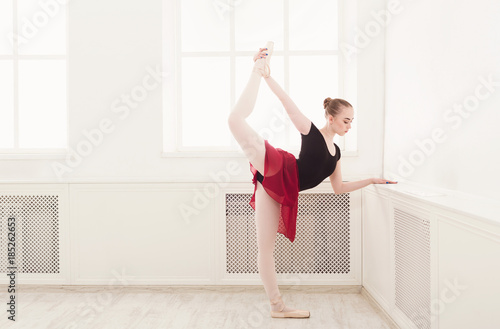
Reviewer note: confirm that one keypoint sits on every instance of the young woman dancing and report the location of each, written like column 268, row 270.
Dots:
column 279, row 176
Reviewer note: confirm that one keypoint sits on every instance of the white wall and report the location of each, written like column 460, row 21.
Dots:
column 111, row 43
column 370, row 111
column 437, row 54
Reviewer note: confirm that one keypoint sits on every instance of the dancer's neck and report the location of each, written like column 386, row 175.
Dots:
column 327, row 133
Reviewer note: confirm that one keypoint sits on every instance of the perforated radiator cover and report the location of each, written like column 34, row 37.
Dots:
column 36, row 232
column 321, row 245
column 412, row 267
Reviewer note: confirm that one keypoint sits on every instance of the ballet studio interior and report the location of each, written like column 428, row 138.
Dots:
column 241, row 164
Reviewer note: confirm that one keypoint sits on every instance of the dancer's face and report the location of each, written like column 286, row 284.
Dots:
column 341, row 124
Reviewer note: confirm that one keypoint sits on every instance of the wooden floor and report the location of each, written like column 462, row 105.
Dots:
column 207, row 307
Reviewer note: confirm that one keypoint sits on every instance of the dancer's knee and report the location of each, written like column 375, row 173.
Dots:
column 266, row 245
column 265, row 256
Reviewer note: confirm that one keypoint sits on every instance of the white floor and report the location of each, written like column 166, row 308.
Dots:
column 72, row 307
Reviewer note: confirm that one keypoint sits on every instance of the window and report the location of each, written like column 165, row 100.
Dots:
column 33, row 67
column 209, row 47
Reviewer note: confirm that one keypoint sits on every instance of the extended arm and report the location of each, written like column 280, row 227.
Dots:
column 340, row 187
column 353, row 186
column 299, row 120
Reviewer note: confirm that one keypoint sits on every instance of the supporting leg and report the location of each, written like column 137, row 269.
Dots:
column 267, row 212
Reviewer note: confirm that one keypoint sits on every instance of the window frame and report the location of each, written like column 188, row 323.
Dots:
column 172, row 93
column 17, row 152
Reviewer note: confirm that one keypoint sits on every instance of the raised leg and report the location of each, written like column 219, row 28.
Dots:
column 249, row 140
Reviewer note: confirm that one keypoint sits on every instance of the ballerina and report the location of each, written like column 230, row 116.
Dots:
column 278, row 176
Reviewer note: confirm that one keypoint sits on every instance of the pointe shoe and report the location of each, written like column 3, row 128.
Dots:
column 270, row 48
column 262, row 65
column 290, row 314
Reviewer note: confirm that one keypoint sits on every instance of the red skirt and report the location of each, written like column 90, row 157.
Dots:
column 281, row 182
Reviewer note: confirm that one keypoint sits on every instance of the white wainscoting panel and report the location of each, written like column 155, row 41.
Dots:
column 469, row 276
column 136, row 233
column 377, row 249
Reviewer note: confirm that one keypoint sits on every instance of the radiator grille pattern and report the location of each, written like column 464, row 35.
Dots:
column 37, row 232
column 412, row 267
column 321, row 244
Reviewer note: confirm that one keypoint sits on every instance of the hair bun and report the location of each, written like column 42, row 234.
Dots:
column 326, row 101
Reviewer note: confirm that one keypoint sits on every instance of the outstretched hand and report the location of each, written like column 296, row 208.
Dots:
column 382, row 181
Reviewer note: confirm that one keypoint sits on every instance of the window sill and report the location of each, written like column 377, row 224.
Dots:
column 203, row 154
column 229, row 154
column 34, row 156
column 465, row 204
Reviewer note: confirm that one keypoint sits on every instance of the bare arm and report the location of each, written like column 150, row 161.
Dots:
column 353, row 186
column 340, row 187
column 336, row 179
column 299, row 120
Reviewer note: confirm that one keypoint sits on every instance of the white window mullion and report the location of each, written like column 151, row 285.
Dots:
column 341, row 64
column 251, row 53
column 169, row 87
column 286, row 62
column 15, row 62
column 66, row 55
column 178, row 76
column 28, row 57
column 232, row 70
column 232, row 49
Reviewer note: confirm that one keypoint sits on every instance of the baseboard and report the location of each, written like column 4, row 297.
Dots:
column 379, row 309
column 315, row 289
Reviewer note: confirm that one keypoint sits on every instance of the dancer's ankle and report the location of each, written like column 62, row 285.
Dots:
column 277, row 304
column 260, row 67
column 280, row 310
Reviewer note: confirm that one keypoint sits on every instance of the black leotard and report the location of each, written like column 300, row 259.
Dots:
column 315, row 162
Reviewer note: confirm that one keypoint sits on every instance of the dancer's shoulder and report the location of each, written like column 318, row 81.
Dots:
column 311, row 128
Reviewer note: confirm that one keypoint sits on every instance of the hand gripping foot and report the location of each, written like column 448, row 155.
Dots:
column 262, row 65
